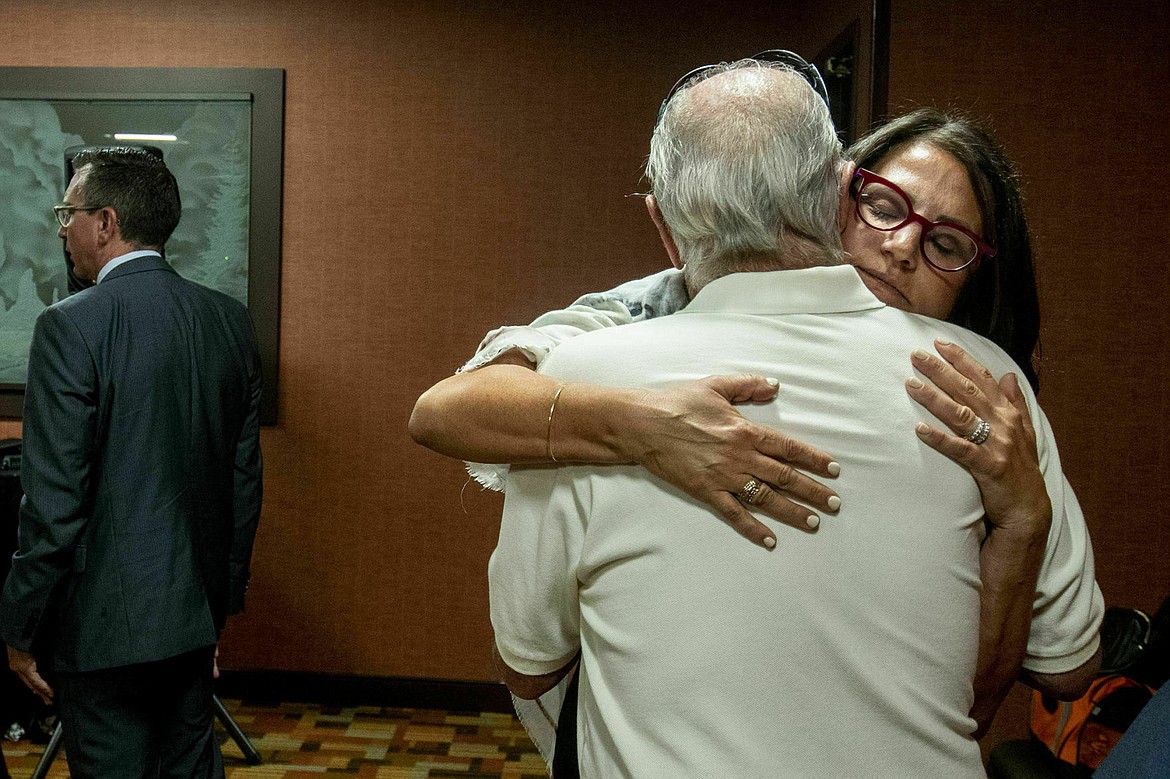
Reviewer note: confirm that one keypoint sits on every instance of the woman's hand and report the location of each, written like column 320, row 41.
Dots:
column 692, row 436
column 1015, row 499
column 1005, row 465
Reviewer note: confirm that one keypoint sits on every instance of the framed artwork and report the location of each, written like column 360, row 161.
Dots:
column 221, row 131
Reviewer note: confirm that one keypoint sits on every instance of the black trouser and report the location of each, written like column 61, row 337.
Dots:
column 137, row 721
column 565, row 764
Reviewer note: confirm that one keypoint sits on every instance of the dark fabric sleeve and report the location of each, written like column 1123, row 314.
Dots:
column 57, row 469
column 248, row 488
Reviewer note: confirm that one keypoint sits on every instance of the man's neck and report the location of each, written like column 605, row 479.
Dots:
column 803, row 256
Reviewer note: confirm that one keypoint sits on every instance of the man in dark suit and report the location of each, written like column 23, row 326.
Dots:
column 141, row 475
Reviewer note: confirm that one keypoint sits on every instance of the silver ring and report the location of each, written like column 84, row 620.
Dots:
column 749, row 491
column 980, row 433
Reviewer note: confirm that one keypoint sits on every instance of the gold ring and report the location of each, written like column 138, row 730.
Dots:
column 749, row 491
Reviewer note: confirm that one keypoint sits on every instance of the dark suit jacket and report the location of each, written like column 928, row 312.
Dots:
column 141, row 472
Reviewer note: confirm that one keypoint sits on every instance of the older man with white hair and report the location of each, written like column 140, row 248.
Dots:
column 850, row 653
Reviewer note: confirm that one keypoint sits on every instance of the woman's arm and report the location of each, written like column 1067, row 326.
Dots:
column 498, row 410
column 689, row 435
column 1015, row 498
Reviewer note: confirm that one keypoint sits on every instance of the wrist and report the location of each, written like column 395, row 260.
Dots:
column 638, row 424
column 1019, row 539
column 1024, row 518
column 594, row 424
column 1011, row 557
column 552, row 410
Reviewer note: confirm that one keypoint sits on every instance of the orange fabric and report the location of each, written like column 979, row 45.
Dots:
column 1067, row 731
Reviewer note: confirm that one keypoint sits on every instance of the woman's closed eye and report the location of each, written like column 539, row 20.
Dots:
column 945, row 243
column 881, row 210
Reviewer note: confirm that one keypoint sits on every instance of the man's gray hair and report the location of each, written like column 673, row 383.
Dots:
column 746, row 173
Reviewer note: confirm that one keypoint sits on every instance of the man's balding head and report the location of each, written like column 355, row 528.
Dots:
column 745, row 166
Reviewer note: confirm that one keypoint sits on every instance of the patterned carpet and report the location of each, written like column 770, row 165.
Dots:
column 304, row 740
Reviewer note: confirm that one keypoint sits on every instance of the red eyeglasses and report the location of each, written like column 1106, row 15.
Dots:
column 882, row 205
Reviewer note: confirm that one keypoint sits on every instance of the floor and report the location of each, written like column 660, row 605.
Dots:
column 305, row 740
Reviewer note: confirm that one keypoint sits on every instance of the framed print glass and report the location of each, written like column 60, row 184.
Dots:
column 221, row 133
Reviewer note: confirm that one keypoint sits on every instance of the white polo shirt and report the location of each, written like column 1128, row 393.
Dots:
column 846, row 652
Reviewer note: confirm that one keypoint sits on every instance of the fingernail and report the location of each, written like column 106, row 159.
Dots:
column 941, row 342
column 920, row 355
column 834, row 469
column 921, row 428
column 914, row 382
column 773, row 381
column 770, row 542
column 834, row 503
column 813, row 520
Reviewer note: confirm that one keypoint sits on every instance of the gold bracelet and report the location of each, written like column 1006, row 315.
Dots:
column 552, row 410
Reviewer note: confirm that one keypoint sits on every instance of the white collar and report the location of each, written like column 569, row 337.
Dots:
column 822, row 290
column 109, row 266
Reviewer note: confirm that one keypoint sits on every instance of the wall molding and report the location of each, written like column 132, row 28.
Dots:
column 389, row 692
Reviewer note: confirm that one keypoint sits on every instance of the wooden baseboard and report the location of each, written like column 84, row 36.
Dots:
column 393, row 692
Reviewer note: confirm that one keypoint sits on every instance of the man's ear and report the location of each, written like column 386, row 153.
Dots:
column 108, row 228
column 845, row 203
column 663, row 231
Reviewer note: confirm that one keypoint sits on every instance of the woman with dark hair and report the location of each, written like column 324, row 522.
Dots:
column 999, row 300
column 934, row 225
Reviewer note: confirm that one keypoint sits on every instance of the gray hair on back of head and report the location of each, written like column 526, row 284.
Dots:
column 747, row 175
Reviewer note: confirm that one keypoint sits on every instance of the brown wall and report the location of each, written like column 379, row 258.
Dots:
column 1079, row 96
column 449, row 166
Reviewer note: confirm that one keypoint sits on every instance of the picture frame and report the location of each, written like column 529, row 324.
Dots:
column 254, row 97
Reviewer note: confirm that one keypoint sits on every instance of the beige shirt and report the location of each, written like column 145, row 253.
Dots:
column 848, row 652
